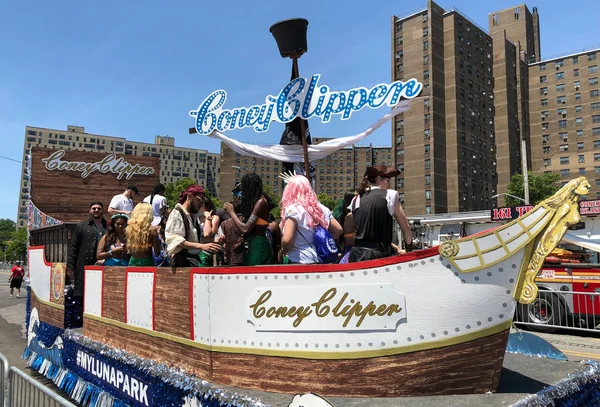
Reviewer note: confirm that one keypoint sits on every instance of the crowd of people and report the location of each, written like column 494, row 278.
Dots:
column 242, row 233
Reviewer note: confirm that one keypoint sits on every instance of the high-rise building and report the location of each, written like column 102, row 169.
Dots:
column 447, row 141
column 335, row 174
column 564, row 95
column 175, row 162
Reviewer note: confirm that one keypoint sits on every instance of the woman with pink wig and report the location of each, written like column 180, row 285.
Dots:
column 301, row 213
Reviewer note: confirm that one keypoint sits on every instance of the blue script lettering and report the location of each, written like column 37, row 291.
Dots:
column 300, row 98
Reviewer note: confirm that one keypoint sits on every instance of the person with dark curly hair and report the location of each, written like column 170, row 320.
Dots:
column 254, row 209
column 112, row 249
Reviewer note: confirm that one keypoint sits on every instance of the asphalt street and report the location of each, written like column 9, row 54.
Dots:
column 12, row 322
column 521, row 375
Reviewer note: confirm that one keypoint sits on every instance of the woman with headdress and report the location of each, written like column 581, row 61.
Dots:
column 343, row 214
column 112, row 250
column 255, row 211
column 142, row 238
column 301, row 213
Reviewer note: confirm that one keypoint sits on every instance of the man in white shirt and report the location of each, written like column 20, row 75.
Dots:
column 123, row 203
column 158, row 202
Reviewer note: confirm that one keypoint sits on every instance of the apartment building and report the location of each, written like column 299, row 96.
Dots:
column 564, row 96
column 175, row 162
column 447, row 141
column 335, row 174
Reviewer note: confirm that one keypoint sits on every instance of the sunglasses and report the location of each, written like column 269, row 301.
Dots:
column 96, row 209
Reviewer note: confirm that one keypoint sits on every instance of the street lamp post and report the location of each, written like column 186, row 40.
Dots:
column 512, row 196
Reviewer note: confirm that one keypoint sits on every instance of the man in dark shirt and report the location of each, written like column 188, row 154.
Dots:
column 374, row 210
column 84, row 242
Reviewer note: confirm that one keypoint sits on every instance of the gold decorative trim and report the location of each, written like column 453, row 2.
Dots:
column 565, row 213
column 50, row 304
column 555, row 215
column 310, row 354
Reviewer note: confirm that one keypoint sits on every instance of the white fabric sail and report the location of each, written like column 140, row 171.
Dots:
column 294, row 153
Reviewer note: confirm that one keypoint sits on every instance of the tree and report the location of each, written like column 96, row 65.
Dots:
column 17, row 248
column 173, row 189
column 540, row 187
column 326, row 200
column 7, row 227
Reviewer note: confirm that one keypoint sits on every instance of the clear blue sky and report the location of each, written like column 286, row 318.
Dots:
column 135, row 69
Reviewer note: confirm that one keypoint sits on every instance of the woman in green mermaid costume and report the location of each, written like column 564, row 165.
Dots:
column 142, row 238
column 255, row 211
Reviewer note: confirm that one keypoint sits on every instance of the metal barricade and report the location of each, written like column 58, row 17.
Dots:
column 3, row 380
column 558, row 309
column 26, row 391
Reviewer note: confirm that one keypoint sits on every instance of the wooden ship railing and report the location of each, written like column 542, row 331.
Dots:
column 55, row 238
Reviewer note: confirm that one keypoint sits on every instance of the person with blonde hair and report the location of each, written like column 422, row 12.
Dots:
column 142, row 238
column 301, row 213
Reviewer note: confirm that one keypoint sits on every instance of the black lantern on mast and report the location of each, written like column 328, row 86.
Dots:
column 290, row 36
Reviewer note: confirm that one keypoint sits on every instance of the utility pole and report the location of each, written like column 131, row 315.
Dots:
column 524, row 168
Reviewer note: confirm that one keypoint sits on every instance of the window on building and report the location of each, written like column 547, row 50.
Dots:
column 427, row 117
column 543, row 79
column 542, row 67
column 544, row 102
column 578, row 121
column 547, row 162
column 576, row 72
column 595, row 106
column 592, row 57
column 562, row 124
column 596, row 131
column 425, row 17
column 399, row 40
column 495, row 19
column 564, row 160
column 561, row 100
column 575, row 60
column 563, row 147
column 577, row 84
column 580, row 145
column 427, row 194
column 426, row 74
column 596, row 118
column 427, row 133
column 563, row 136
column 596, row 143
column 560, row 75
column 425, row 59
column 543, row 91
column 425, row 45
column 428, row 210
column 399, row 54
column 561, row 87
column 581, row 158
column 597, row 158
column 582, row 171
column 546, row 149
column 578, row 109
column 425, row 31
column 427, row 164
column 545, row 138
column 594, row 93
column 565, row 173
column 578, row 96
column 427, row 179
column 593, row 69
column 562, row 112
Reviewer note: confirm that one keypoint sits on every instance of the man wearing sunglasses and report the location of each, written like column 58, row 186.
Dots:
column 82, row 248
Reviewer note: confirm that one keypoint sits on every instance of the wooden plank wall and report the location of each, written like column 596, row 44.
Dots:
column 66, row 196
